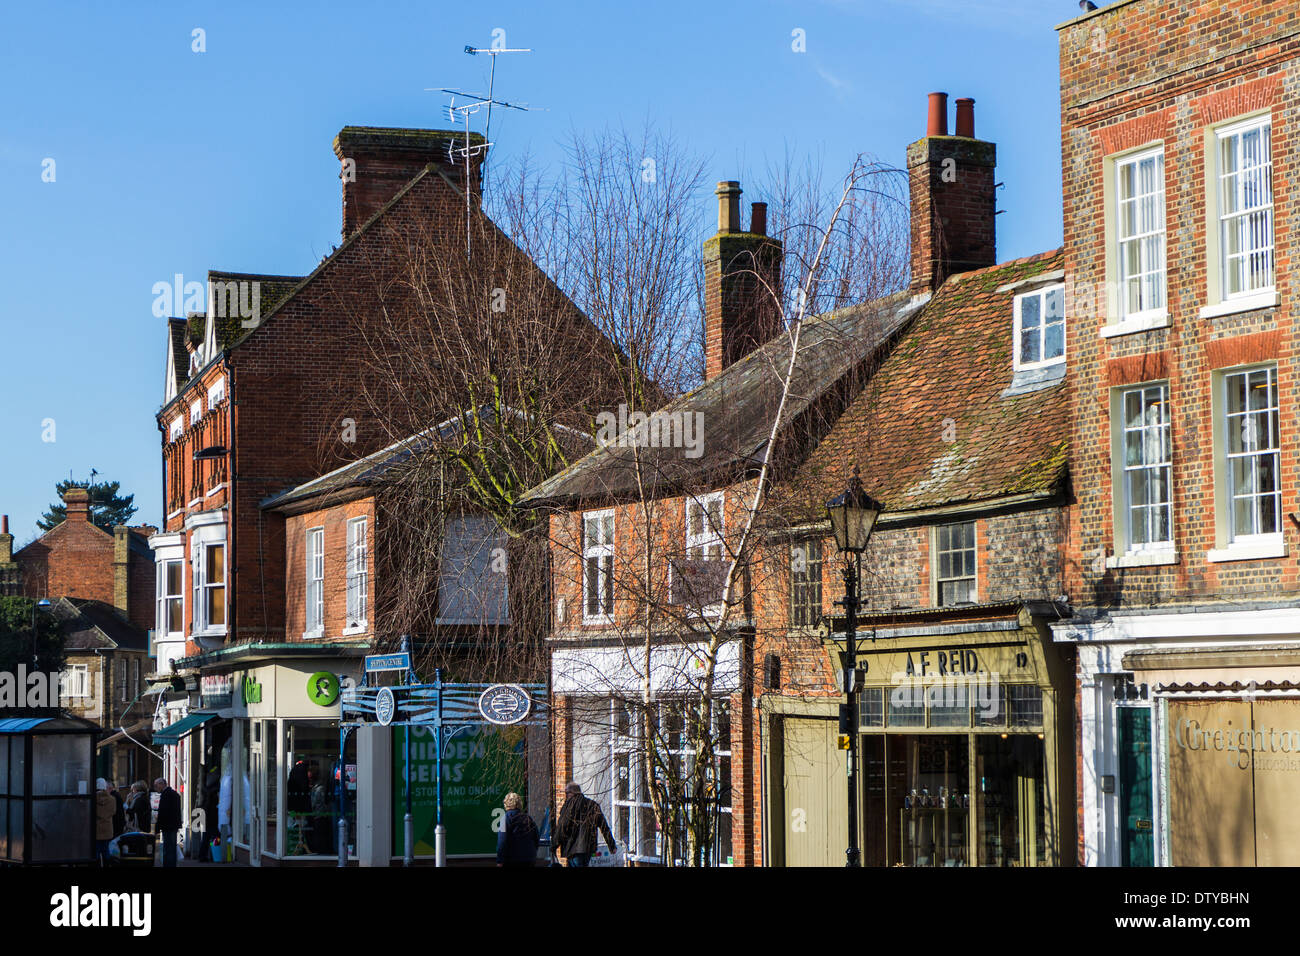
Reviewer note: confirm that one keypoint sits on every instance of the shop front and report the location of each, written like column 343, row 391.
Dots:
column 278, row 778
column 966, row 744
column 1227, row 768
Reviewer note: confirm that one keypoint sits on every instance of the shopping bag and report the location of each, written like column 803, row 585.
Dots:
column 602, row 857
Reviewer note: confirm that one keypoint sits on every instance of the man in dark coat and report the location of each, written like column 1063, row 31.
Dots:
column 576, row 829
column 168, row 820
column 119, row 814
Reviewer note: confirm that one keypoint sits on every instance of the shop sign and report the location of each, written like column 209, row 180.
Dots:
column 215, row 690
column 252, row 690
column 504, row 704
column 479, row 767
column 323, row 689
column 388, row 662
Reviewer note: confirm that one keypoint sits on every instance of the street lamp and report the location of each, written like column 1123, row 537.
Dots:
column 42, row 605
column 853, row 517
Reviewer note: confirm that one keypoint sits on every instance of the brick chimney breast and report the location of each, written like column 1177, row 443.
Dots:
column 739, row 270
column 954, row 206
column 76, row 503
column 376, row 162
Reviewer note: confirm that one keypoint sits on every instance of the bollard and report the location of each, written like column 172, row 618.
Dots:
column 440, row 845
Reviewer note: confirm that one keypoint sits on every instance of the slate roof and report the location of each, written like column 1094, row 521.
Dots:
column 935, row 426
column 735, row 408
column 176, row 333
column 90, row 625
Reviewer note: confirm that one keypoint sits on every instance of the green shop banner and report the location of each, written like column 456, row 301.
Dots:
column 479, row 767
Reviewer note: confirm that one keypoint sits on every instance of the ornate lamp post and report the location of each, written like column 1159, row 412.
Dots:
column 853, row 517
column 42, row 605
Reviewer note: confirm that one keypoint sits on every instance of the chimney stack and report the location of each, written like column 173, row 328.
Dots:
column 739, row 269
column 377, row 162
column 10, row 573
column 76, row 504
column 121, row 567
column 953, row 197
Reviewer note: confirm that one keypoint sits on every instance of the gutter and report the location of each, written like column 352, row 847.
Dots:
column 260, row 651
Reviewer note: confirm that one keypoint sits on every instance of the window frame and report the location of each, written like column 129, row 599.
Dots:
column 936, row 541
column 1134, row 159
column 216, row 393
column 82, row 674
column 1273, row 411
column 1218, row 218
column 203, row 590
column 1121, row 487
column 358, row 575
column 1041, row 292
column 314, row 578
column 176, row 428
column 165, row 597
column 196, row 411
column 603, row 550
column 803, row 600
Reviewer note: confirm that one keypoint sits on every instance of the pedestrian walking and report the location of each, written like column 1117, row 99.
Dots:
column 139, row 815
column 518, row 840
column 119, row 812
column 581, row 819
column 105, row 807
column 168, row 821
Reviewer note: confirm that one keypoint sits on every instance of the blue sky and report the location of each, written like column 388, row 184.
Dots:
column 170, row 161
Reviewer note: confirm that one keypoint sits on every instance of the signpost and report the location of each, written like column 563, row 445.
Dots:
column 444, row 709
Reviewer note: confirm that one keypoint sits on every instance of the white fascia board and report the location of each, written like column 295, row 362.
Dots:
column 1196, row 626
column 610, row 671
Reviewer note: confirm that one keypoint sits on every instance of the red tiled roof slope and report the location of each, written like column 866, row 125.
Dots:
column 933, row 427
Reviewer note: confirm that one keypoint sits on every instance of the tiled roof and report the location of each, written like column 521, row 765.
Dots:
column 88, row 625
column 272, row 290
column 734, row 410
column 936, row 426
column 176, row 331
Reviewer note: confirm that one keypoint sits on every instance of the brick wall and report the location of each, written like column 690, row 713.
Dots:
column 334, row 522
column 1141, row 73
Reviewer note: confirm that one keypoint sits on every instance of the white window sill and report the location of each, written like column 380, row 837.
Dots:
column 1142, row 559
column 1136, row 323
column 1246, row 303
column 215, row 490
column 1248, row 551
column 315, row 635
column 196, row 501
column 355, row 629
column 209, row 632
column 177, row 512
column 1037, row 366
column 599, row 621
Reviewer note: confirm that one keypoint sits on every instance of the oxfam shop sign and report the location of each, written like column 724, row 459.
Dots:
column 479, row 767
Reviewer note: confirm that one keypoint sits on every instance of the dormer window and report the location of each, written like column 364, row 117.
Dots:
column 1040, row 328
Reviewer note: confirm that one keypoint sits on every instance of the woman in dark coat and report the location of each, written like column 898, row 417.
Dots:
column 518, row 840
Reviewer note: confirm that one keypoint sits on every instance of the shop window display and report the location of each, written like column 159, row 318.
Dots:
column 314, row 776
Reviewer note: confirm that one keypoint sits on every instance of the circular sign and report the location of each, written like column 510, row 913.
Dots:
column 323, row 688
column 385, row 706
column 504, row 704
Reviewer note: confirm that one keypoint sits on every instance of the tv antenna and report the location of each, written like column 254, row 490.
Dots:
column 456, row 112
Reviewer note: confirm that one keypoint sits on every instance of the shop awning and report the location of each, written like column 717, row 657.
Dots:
column 138, row 729
column 158, row 687
column 172, row 735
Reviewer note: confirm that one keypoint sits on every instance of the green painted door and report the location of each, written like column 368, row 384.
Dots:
column 1135, row 786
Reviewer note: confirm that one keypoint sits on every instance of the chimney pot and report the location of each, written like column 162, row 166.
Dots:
column 938, row 120
column 4, row 524
column 758, row 218
column 966, row 117
column 728, row 193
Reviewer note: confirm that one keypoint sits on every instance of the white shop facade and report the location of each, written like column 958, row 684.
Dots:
column 1189, row 736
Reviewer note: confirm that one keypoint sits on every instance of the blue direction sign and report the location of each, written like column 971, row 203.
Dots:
column 388, row 662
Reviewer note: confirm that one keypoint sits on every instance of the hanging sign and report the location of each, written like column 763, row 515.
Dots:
column 504, row 704
column 385, row 706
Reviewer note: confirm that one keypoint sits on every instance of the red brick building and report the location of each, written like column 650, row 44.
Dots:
column 1181, row 153
column 285, row 381
column 77, row 558
column 951, row 399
